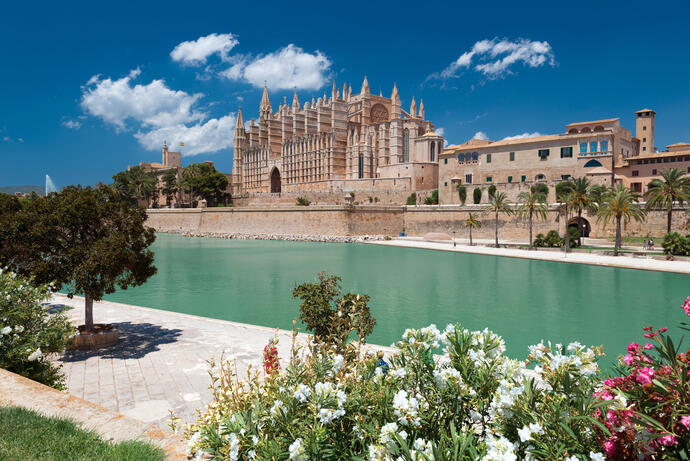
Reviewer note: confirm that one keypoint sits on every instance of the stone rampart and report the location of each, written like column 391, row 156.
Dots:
column 341, row 220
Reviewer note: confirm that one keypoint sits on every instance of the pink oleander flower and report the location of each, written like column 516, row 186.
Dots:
column 649, row 346
column 685, row 420
column 633, row 347
column 644, row 377
column 686, row 305
column 610, row 448
column 628, row 359
column 662, row 330
column 667, row 440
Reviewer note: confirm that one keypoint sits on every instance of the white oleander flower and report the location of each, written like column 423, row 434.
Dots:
column 596, row 456
column 406, row 408
column 35, row 355
column 278, row 408
column 327, row 416
column 234, row 447
column 302, row 393
column 297, row 451
column 19, row 329
column 5, row 331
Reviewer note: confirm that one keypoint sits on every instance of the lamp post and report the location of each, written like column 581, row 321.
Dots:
column 453, row 239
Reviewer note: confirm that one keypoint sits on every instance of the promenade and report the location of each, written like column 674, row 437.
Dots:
column 623, row 261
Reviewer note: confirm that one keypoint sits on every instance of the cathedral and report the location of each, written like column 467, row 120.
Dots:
column 344, row 142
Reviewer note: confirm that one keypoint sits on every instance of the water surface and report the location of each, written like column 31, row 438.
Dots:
column 524, row 300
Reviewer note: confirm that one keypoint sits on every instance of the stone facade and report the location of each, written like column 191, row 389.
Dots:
column 330, row 143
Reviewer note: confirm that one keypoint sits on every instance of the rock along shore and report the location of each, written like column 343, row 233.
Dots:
column 288, row 237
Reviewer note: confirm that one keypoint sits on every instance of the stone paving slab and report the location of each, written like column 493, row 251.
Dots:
column 18, row 391
column 161, row 361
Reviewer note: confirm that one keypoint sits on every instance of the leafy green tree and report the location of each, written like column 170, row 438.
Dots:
column 411, row 199
column 432, row 199
column 565, row 199
column 477, row 195
column 89, row 240
column 499, row 204
column 136, row 184
column 532, row 204
column 170, row 185
column 674, row 187
column 540, row 188
column 582, row 199
column 462, row 193
column 471, row 222
column 676, row 244
column 202, row 179
column 492, row 190
column 330, row 316
column 619, row 204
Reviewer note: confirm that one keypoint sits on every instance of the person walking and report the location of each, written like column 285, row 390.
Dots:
column 644, row 244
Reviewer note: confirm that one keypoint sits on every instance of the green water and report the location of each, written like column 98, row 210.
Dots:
column 523, row 300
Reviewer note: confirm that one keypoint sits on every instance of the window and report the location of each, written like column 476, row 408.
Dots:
column 475, row 156
column 488, row 158
column 604, row 146
column 445, row 161
column 468, row 178
column 566, row 152
column 432, row 151
column 654, row 171
column 488, row 179
column 543, row 153
column 445, row 183
column 565, row 177
column 406, row 145
column 583, row 147
column 593, row 146
column 644, row 128
column 523, row 178
column 644, row 139
column 510, row 179
column 635, row 173
column 512, row 156
column 636, row 187
column 646, row 162
column 540, row 177
column 361, row 166
column 592, row 164
column 461, row 158
column 666, row 160
column 644, row 149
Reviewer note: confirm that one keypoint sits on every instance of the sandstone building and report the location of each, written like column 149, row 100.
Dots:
column 601, row 150
column 341, row 142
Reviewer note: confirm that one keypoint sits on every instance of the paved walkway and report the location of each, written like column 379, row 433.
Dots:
column 627, row 262
column 161, row 361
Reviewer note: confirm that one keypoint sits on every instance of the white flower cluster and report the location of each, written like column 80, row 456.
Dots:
column 527, row 432
column 578, row 361
column 302, row 393
column 35, row 355
column 427, row 337
column 499, row 449
column 504, row 399
column 297, row 451
column 323, row 392
column 406, row 408
column 277, row 409
column 445, row 375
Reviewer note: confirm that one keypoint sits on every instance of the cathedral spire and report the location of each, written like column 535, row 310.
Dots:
column 239, row 123
column 413, row 108
column 421, row 109
column 265, row 109
column 334, row 92
column 295, row 103
column 365, row 86
column 395, row 97
column 395, row 103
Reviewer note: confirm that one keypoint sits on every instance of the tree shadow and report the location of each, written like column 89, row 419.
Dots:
column 56, row 308
column 136, row 341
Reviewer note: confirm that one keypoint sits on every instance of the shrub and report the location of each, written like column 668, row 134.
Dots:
column 574, row 236
column 330, row 316
column 387, row 237
column 303, row 201
column 492, row 190
column 371, row 199
column 28, row 332
column 539, row 241
column 477, row 195
column 462, row 193
column 411, row 199
column 540, row 188
column 676, row 244
column 551, row 240
column 376, row 199
column 432, row 199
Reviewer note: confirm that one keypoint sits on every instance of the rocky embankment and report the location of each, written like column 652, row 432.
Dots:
column 289, row 237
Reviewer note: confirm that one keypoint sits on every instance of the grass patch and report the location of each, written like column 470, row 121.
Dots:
column 637, row 239
column 27, row 435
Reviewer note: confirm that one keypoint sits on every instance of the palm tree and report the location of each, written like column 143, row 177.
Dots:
column 582, row 199
column 564, row 196
column 499, row 204
column 472, row 222
column 532, row 203
column 662, row 193
column 620, row 203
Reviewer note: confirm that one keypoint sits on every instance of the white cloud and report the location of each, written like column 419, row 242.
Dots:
column 523, row 135
column 72, row 124
column 480, row 135
column 442, row 132
column 6, row 138
column 158, row 113
column 495, row 57
column 195, row 52
column 20, row 139
column 210, row 136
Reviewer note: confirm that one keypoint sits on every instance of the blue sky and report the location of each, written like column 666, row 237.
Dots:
column 88, row 88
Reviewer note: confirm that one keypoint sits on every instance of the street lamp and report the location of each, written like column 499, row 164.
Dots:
column 453, row 239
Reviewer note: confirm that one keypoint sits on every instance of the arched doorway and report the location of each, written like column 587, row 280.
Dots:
column 275, row 181
column 583, row 226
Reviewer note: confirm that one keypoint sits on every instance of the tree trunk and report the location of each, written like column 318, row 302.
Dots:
column 470, row 235
column 567, row 237
column 579, row 228
column 496, row 223
column 618, row 236
column 668, row 220
column 530, row 229
column 88, row 312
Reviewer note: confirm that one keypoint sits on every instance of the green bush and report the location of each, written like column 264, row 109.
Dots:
column 477, row 195
column 28, row 332
column 303, row 201
column 432, row 199
column 411, row 199
column 574, row 236
column 462, row 193
column 551, row 240
column 492, row 190
column 540, row 188
column 676, row 244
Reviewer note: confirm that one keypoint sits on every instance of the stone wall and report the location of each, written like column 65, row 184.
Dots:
column 383, row 220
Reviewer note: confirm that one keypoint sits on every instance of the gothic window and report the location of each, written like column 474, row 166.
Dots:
column 361, row 166
column 406, row 145
column 432, row 153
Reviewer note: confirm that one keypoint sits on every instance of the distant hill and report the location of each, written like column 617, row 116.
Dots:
column 40, row 190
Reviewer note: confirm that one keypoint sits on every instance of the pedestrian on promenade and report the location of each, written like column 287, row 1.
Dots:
column 383, row 365
column 644, row 244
